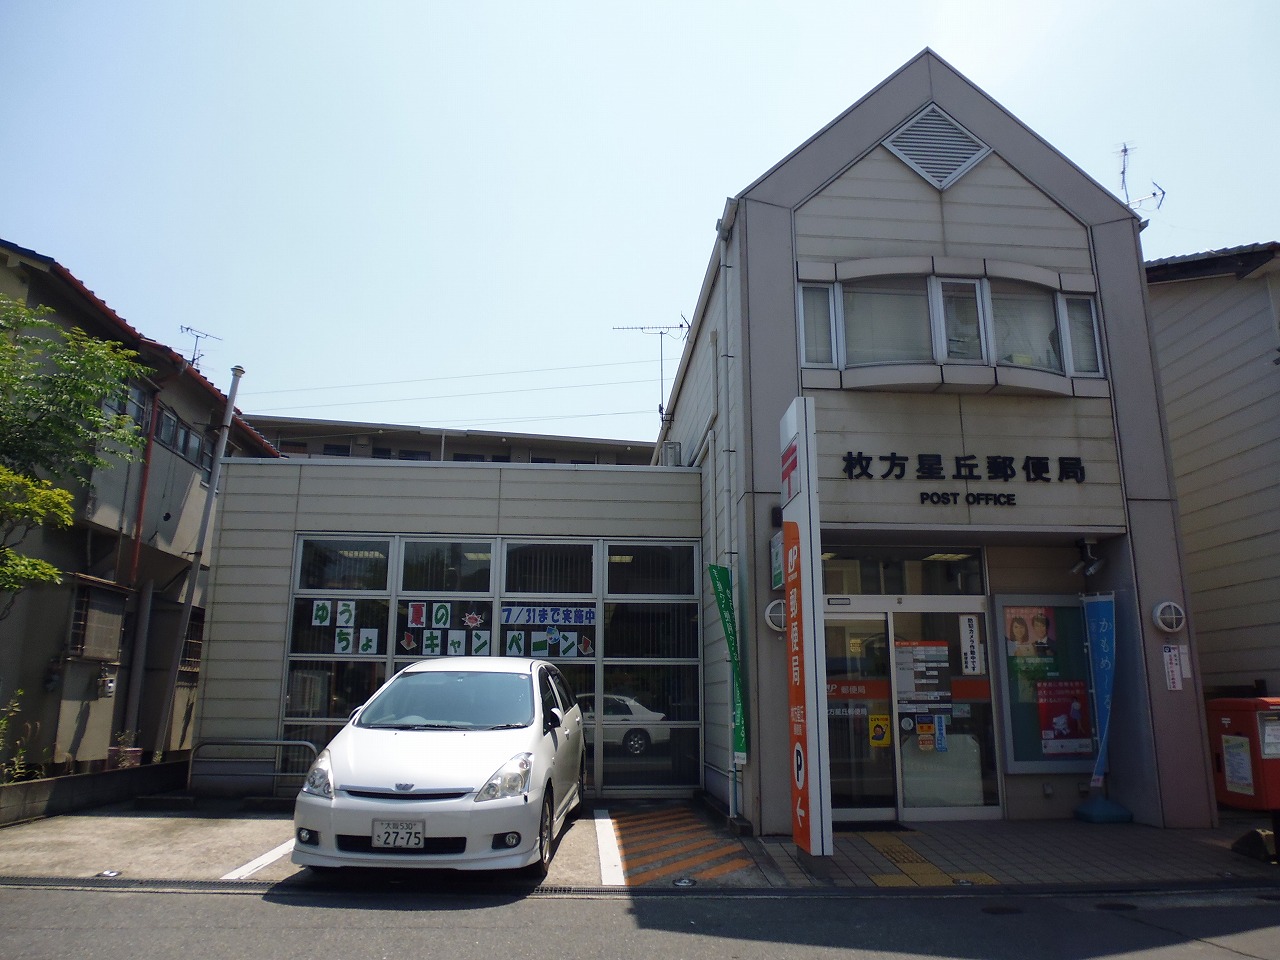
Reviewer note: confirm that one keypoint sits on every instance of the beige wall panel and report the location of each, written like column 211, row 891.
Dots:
column 1253, row 478
column 240, row 726
column 1244, row 562
column 1206, row 455
column 959, row 425
column 877, row 208
column 880, row 207
column 251, row 593
column 260, row 478
column 247, row 690
column 262, row 648
column 223, row 669
column 1031, row 570
column 262, row 519
column 239, row 536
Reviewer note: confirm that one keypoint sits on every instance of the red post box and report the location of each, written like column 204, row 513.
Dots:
column 1244, row 736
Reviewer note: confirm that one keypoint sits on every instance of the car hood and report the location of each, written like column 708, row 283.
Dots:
column 428, row 759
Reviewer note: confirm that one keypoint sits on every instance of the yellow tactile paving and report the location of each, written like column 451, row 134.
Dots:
column 670, row 842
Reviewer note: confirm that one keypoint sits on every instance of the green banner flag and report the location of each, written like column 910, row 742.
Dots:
column 722, row 584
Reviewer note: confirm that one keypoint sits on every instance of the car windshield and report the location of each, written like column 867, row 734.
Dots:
column 452, row 700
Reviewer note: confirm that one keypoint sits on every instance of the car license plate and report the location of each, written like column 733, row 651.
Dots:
column 403, row 834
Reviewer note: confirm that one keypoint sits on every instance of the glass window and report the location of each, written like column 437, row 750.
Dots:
column 650, row 693
column 345, row 627
column 446, row 627
column 549, row 568
column 886, row 320
column 343, row 565
column 651, row 569
column 961, row 321
column 548, row 630
column 1026, row 325
column 330, row 689
column 168, row 429
column 1084, row 338
column 816, row 308
column 337, row 449
column 447, row 566
column 650, row 630
column 915, row 571
column 562, row 689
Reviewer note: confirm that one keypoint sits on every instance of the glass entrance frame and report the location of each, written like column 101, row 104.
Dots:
column 911, row 716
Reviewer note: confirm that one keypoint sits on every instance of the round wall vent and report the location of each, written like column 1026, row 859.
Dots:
column 1169, row 617
column 775, row 615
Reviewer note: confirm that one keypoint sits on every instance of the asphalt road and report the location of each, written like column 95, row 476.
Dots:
column 435, row 921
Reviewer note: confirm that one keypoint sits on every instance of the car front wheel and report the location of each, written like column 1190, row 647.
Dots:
column 546, row 841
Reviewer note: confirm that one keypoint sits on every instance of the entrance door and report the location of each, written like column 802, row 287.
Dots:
column 912, row 730
column 864, row 766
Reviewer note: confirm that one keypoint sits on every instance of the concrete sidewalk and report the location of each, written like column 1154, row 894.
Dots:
column 653, row 846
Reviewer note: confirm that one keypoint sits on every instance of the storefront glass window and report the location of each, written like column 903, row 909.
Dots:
column 651, row 569
column 447, row 566
column 549, row 568
column 444, row 627
column 651, row 630
column 339, row 626
column 344, row 565
column 330, row 689
column 364, row 607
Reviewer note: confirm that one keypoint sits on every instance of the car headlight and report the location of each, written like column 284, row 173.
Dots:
column 511, row 779
column 319, row 782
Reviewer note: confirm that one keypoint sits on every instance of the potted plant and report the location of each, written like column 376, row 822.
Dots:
column 124, row 753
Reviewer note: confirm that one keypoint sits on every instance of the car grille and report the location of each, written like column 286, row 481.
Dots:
column 350, row 843
column 421, row 795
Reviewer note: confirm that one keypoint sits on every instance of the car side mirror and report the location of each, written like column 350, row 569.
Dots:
column 555, row 719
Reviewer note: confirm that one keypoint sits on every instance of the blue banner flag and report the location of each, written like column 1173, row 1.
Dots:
column 1100, row 627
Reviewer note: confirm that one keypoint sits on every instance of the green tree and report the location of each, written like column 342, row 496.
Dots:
column 55, row 422
column 54, row 384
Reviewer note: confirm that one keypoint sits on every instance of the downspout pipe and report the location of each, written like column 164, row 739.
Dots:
column 184, row 621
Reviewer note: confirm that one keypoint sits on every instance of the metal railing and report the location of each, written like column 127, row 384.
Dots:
column 274, row 775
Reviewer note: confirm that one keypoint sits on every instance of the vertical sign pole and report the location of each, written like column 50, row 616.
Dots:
column 806, row 660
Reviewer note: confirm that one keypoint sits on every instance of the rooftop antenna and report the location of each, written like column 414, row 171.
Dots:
column 662, row 331
column 1158, row 195
column 199, row 335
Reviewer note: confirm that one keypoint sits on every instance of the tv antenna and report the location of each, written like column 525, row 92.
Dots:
column 1158, row 195
column 661, row 331
column 199, row 335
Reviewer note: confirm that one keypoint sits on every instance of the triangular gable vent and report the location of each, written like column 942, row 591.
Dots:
column 936, row 147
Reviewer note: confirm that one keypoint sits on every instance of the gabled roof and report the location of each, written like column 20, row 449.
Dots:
column 924, row 80
column 1237, row 262
column 150, row 351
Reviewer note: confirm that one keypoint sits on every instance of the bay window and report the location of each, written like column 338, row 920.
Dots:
column 930, row 319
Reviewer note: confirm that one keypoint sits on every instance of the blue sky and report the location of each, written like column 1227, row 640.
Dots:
column 440, row 214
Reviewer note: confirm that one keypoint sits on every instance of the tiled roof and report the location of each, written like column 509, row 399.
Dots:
column 133, row 339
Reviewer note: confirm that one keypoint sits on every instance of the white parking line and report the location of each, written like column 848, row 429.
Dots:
column 253, row 866
column 611, row 874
